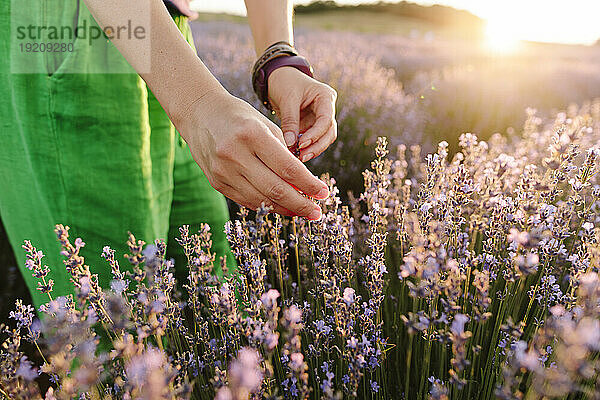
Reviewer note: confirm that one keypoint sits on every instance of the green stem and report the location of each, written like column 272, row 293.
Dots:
column 299, row 277
column 407, row 376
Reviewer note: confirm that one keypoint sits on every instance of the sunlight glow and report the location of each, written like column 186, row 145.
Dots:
column 575, row 21
column 498, row 37
column 535, row 20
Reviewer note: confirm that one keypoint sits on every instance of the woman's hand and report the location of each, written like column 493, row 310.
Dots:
column 304, row 106
column 244, row 156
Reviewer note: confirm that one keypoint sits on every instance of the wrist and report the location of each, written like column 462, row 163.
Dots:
column 276, row 57
column 284, row 78
column 180, row 82
column 195, row 107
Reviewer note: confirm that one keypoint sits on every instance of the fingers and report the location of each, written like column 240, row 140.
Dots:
column 307, row 119
column 248, row 196
column 276, row 131
column 321, row 145
column 280, row 193
column 289, row 114
column 260, row 169
column 324, row 110
column 291, row 170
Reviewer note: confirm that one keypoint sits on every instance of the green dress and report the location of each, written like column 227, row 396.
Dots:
column 94, row 151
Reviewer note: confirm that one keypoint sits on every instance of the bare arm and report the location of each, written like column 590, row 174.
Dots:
column 304, row 105
column 241, row 152
column 270, row 21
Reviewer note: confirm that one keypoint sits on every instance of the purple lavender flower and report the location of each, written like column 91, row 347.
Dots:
column 26, row 370
column 458, row 324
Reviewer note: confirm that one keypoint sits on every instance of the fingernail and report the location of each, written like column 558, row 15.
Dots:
column 307, row 157
column 323, row 194
column 304, row 145
column 290, row 138
column 315, row 215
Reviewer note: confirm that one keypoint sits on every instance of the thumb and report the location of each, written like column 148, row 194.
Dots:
column 290, row 120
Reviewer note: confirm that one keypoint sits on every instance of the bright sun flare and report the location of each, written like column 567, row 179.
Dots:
column 499, row 38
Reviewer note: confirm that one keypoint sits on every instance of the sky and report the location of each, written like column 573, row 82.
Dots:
column 562, row 21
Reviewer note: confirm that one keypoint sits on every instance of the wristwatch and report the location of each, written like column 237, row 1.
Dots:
column 261, row 74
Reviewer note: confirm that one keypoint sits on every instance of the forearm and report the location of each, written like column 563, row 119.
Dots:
column 170, row 67
column 270, row 21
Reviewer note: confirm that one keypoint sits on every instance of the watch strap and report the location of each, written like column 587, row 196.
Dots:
column 274, row 51
column 261, row 76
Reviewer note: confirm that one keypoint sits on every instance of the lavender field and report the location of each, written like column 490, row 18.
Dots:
column 464, row 263
column 475, row 277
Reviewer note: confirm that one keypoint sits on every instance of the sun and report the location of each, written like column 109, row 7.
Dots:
column 498, row 37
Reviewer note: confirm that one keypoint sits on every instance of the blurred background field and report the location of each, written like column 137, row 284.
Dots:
column 417, row 74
